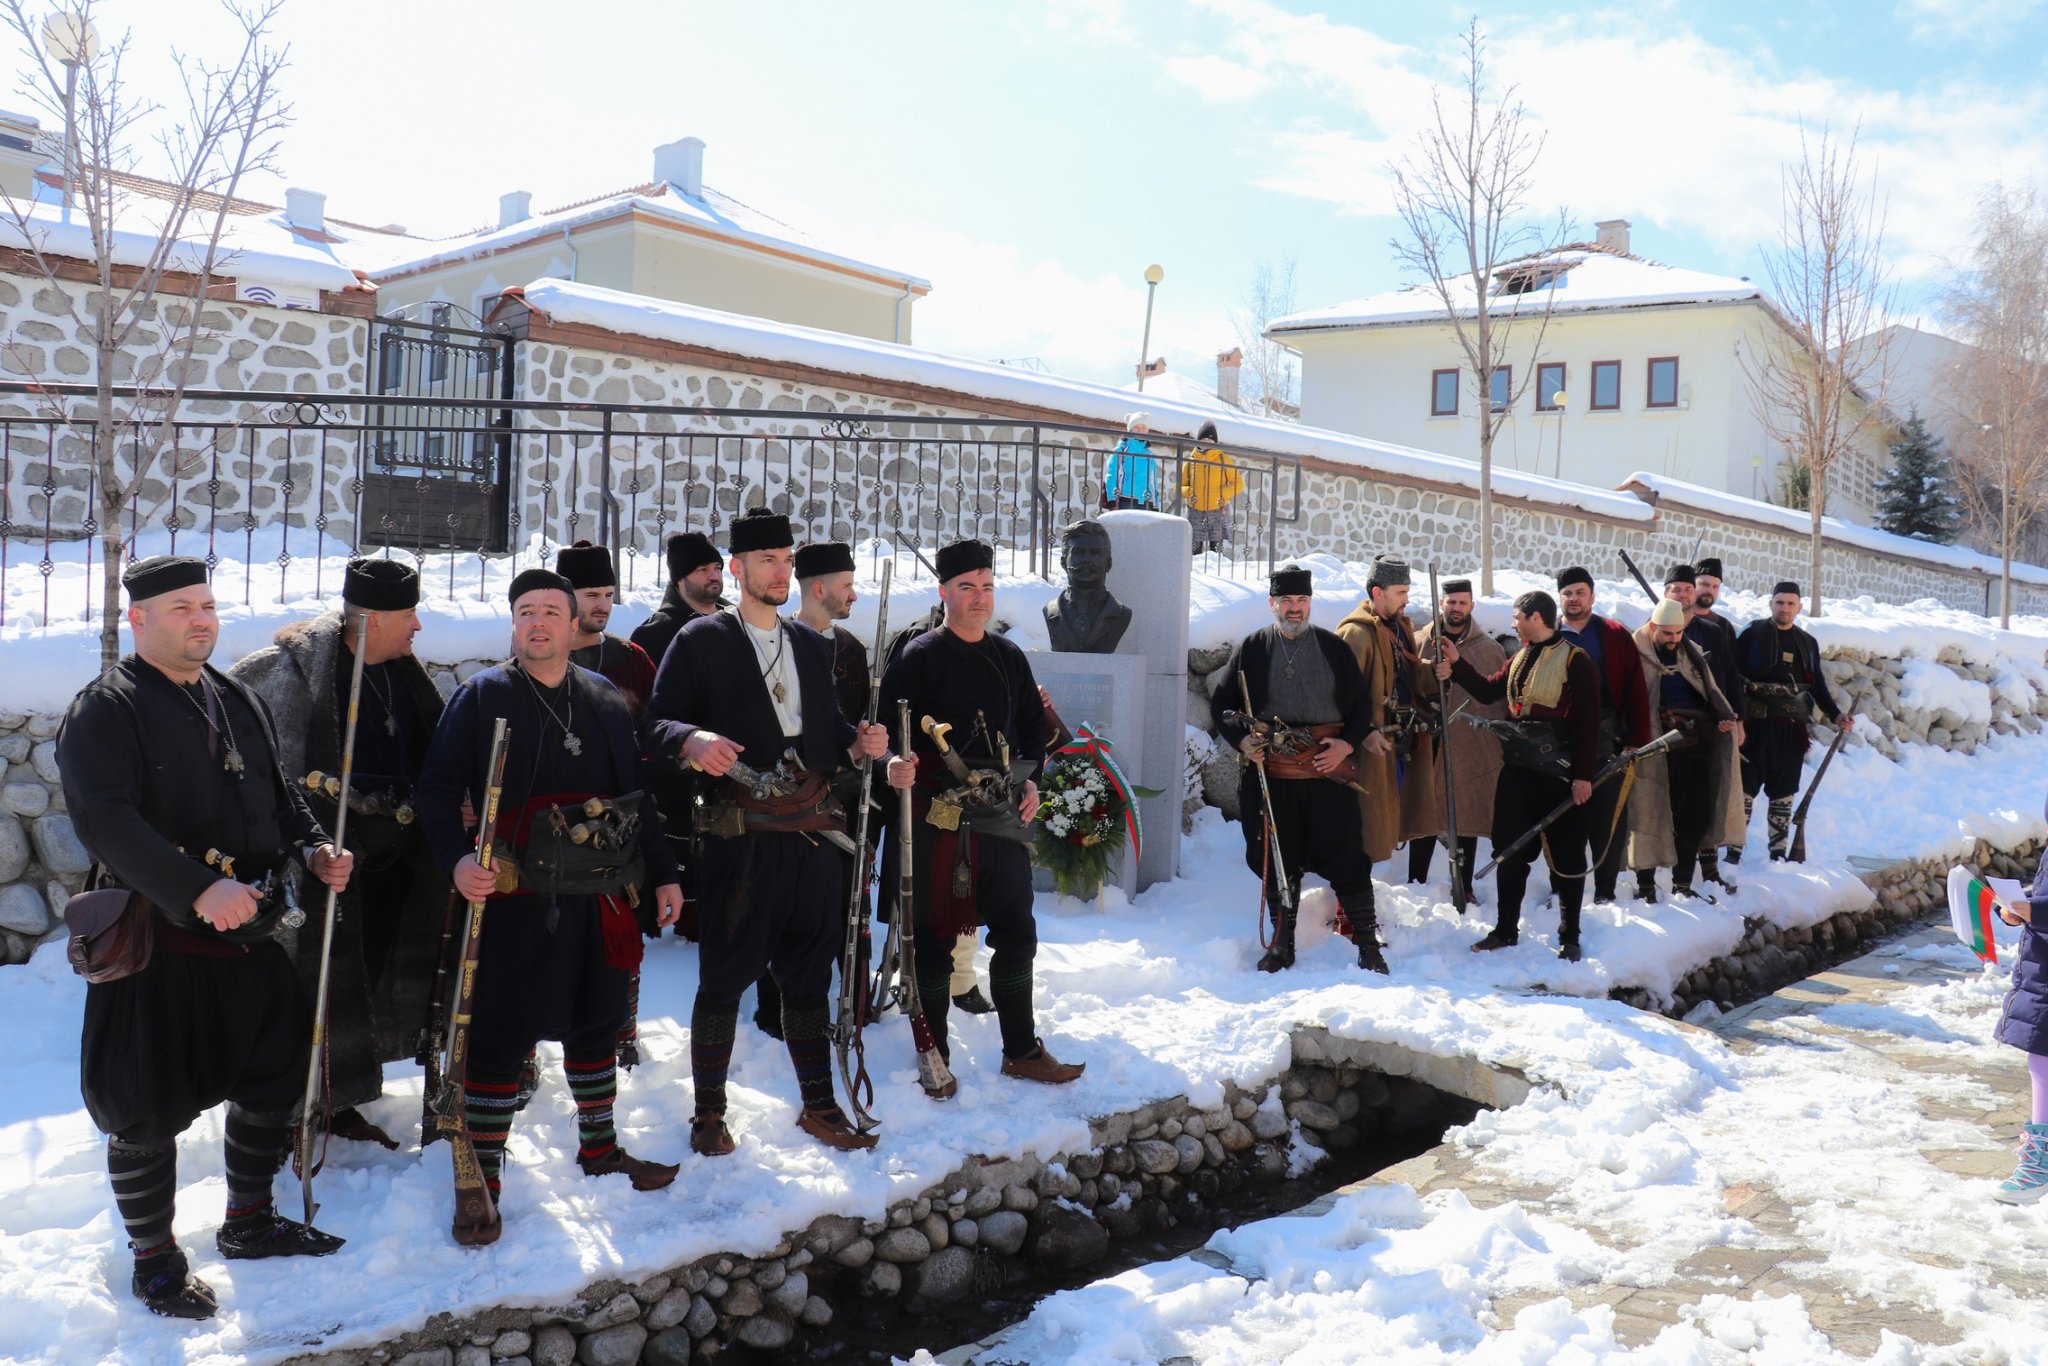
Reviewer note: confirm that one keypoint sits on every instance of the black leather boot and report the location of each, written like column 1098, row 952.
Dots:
column 1281, row 955
column 1365, row 932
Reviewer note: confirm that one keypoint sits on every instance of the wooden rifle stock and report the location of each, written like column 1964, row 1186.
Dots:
column 932, row 1072
column 476, row 1215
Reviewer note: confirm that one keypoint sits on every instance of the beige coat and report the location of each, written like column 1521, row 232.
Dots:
column 1650, row 837
column 1475, row 753
column 1399, row 801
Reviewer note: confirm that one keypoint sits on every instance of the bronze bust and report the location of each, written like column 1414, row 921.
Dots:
column 1085, row 618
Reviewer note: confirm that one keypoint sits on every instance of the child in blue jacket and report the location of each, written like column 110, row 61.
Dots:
column 1130, row 478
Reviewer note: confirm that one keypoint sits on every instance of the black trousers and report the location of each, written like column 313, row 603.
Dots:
column 1771, row 758
column 774, row 904
column 186, row 1033
column 537, row 983
column 768, row 1002
column 1422, row 853
column 1606, row 812
column 1691, row 778
column 1318, row 825
column 1003, row 907
column 1523, row 798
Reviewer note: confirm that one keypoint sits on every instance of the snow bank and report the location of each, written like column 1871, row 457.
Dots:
column 1796, row 523
column 640, row 316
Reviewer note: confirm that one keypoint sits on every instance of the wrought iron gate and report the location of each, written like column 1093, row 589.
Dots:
column 437, row 476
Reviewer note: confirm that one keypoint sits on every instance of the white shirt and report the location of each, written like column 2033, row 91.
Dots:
column 777, row 663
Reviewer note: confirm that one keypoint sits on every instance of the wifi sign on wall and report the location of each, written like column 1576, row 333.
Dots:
column 276, row 296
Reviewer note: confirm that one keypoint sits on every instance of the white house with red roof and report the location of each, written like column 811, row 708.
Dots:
column 1615, row 365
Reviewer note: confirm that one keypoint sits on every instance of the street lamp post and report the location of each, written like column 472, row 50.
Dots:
column 1557, row 401
column 1153, row 275
column 72, row 40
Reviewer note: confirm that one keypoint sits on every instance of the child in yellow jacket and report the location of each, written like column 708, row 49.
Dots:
column 1209, row 480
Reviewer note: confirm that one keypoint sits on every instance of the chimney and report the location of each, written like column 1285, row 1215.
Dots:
column 1228, row 364
column 513, row 208
column 681, row 164
column 1612, row 234
column 306, row 210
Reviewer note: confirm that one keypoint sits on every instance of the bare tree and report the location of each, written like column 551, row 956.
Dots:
column 1817, row 384
column 1463, row 197
column 1998, row 303
column 154, row 252
column 1269, row 367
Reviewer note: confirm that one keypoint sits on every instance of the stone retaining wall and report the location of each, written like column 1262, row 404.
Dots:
column 993, row 1222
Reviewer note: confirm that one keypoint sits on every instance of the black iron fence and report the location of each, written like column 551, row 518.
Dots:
column 269, row 487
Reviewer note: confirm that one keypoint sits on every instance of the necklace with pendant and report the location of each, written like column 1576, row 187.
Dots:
column 776, row 689
column 1288, row 648
column 224, row 732
column 570, row 740
column 384, row 701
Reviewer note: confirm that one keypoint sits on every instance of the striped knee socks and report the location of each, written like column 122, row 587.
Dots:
column 145, row 1181
column 712, row 1023
column 488, row 1102
column 594, row 1082
column 803, row 1032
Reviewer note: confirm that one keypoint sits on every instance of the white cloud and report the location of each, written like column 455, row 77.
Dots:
column 1652, row 122
column 1956, row 20
column 1217, row 78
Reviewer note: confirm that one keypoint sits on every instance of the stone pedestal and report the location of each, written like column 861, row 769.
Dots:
column 1151, row 576
column 1109, row 694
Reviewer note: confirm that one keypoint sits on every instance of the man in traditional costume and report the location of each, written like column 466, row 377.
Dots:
column 1678, row 798
column 388, row 928
column 745, row 687
column 170, row 773
column 1305, row 719
column 1624, row 718
column 1550, row 754
column 1475, row 751
column 628, row 667
column 573, row 849
column 971, row 858
column 1397, row 764
column 1781, row 668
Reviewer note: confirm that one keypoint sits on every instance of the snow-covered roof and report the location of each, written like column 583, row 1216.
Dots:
column 257, row 242
column 1663, row 487
column 689, row 325
column 1182, row 389
column 1579, row 278
column 712, row 213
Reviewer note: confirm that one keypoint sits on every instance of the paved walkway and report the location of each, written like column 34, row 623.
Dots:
column 1845, row 1012
column 1870, row 1116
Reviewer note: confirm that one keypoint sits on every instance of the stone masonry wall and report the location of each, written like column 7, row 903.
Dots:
column 1356, row 515
column 224, row 476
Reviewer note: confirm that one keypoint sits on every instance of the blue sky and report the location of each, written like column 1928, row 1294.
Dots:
column 1032, row 159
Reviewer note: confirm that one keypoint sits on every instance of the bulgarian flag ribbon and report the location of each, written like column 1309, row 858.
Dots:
column 1088, row 742
column 1971, row 903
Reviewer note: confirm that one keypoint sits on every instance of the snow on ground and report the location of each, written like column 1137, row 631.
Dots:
column 1638, row 1133
column 1158, row 996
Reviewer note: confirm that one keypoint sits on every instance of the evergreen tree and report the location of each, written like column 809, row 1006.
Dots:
column 1915, row 497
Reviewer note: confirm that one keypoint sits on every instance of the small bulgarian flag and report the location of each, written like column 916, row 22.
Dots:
column 1971, row 903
